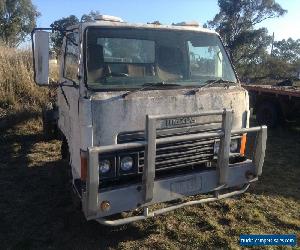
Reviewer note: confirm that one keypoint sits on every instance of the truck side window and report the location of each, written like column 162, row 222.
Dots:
column 72, row 58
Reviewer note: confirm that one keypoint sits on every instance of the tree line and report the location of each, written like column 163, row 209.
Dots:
column 249, row 47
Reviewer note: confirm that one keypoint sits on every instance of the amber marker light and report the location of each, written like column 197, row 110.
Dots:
column 243, row 144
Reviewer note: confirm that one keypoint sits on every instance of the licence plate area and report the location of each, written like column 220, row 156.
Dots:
column 185, row 187
column 130, row 197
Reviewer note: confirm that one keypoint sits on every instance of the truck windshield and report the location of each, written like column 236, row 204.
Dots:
column 131, row 58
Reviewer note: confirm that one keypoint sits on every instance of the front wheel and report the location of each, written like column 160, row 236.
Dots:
column 68, row 176
column 64, row 150
column 50, row 130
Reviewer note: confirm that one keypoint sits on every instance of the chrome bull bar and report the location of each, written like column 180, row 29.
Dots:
column 150, row 144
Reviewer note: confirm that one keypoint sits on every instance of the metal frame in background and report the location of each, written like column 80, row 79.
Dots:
column 150, row 143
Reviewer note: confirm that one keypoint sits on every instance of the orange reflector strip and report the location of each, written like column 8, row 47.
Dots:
column 243, row 144
column 83, row 162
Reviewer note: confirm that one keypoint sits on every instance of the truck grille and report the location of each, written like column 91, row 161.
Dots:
column 179, row 154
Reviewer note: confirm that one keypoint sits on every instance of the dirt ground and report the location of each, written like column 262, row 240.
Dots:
column 36, row 211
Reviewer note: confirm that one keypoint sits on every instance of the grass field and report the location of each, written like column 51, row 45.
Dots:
column 36, row 211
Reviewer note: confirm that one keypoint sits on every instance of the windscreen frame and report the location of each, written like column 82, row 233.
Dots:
column 151, row 29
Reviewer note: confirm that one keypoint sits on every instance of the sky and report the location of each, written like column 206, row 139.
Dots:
column 166, row 11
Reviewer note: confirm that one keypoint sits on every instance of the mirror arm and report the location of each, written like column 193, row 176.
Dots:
column 63, row 93
column 62, row 84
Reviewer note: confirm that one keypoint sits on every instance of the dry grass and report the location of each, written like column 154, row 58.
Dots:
column 17, row 88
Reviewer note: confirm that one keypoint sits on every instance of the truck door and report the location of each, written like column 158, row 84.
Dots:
column 68, row 95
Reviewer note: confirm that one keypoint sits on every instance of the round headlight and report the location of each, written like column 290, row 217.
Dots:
column 126, row 163
column 104, row 166
column 216, row 147
column 233, row 146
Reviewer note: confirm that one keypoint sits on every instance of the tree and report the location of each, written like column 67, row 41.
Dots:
column 90, row 17
column 17, row 19
column 285, row 59
column 61, row 25
column 236, row 24
column 287, row 50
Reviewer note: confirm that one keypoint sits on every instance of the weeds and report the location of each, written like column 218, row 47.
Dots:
column 17, row 88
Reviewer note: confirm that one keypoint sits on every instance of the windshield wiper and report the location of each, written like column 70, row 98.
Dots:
column 153, row 84
column 211, row 82
column 150, row 84
column 162, row 83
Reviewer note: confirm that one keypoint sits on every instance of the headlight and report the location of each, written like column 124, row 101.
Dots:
column 216, row 147
column 234, row 146
column 126, row 163
column 104, row 166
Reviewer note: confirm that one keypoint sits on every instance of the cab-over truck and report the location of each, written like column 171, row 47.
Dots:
column 149, row 113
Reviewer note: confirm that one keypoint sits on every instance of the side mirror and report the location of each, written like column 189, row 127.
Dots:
column 40, row 50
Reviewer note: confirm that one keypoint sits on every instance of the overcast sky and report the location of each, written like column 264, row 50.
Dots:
column 166, row 11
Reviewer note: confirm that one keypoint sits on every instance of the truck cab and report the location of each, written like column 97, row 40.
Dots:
column 150, row 113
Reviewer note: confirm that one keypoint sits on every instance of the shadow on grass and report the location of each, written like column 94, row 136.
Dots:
column 36, row 209
column 14, row 118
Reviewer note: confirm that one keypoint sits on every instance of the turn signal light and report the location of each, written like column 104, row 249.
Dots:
column 243, row 144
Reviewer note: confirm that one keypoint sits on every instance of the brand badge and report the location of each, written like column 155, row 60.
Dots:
column 179, row 121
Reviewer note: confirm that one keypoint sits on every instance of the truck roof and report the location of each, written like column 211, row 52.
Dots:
column 174, row 27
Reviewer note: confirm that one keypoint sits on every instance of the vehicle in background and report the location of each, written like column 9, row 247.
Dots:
column 149, row 113
column 274, row 104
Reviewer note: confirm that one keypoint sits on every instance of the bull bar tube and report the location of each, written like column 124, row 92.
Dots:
column 91, row 197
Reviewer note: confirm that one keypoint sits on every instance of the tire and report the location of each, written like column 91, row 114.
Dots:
column 76, row 201
column 46, row 126
column 267, row 114
column 50, row 130
column 64, row 150
column 68, row 177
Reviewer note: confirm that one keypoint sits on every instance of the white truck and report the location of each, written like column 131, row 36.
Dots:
column 149, row 113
